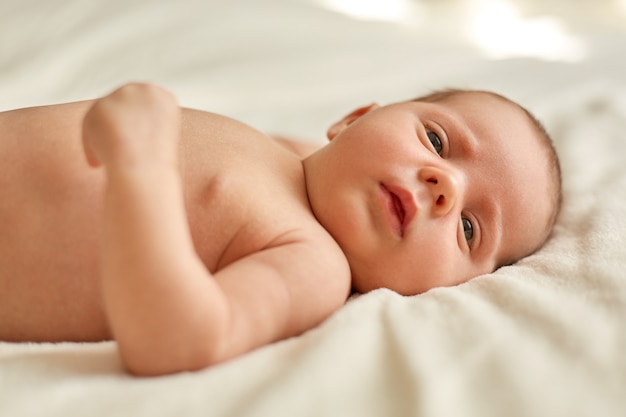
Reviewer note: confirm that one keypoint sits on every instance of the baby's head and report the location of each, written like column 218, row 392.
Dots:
column 435, row 191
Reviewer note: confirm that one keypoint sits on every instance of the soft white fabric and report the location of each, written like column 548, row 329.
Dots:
column 545, row 337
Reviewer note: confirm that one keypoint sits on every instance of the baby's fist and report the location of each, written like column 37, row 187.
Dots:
column 135, row 123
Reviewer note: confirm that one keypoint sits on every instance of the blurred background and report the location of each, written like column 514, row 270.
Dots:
column 274, row 63
column 554, row 30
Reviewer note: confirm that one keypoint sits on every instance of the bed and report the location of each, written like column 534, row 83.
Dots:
column 543, row 337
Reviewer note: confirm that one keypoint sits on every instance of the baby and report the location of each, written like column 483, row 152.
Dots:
column 191, row 238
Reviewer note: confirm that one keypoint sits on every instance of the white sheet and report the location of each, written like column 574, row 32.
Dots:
column 545, row 337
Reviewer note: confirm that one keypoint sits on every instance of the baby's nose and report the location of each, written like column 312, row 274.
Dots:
column 444, row 188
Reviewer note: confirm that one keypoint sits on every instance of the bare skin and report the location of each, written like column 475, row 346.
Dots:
column 191, row 238
column 51, row 259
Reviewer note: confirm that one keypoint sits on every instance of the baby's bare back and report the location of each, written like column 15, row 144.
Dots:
column 51, row 209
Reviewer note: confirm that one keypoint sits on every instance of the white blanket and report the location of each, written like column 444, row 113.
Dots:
column 545, row 337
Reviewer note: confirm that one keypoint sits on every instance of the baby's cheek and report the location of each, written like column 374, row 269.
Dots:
column 440, row 266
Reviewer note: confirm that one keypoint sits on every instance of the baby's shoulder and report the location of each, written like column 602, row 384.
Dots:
column 247, row 194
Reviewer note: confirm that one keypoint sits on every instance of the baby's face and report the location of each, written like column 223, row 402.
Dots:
column 421, row 195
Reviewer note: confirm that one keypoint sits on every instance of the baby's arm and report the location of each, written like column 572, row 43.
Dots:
column 167, row 312
column 134, row 134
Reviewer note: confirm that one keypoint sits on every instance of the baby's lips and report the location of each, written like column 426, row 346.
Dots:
column 407, row 201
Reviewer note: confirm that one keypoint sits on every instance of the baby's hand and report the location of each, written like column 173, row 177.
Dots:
column 134, row 124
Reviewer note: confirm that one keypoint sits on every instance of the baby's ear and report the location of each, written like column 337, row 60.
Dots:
column 337, row 127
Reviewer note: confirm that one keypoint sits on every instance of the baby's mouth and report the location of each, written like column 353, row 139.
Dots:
column 401, row 207
column 400, row 212
column 395, row 209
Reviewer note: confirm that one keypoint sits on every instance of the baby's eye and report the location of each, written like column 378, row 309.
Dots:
column 435, row 141
column 468, row 228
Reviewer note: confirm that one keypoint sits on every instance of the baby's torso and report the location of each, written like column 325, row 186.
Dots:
column 242, row 190
column 242, row 193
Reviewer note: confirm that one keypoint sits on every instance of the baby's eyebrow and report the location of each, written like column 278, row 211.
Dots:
column 457, row 128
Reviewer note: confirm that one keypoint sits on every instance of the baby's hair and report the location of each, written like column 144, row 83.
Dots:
column 554, row 166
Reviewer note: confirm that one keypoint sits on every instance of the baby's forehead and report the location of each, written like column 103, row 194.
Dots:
column 489, row 119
